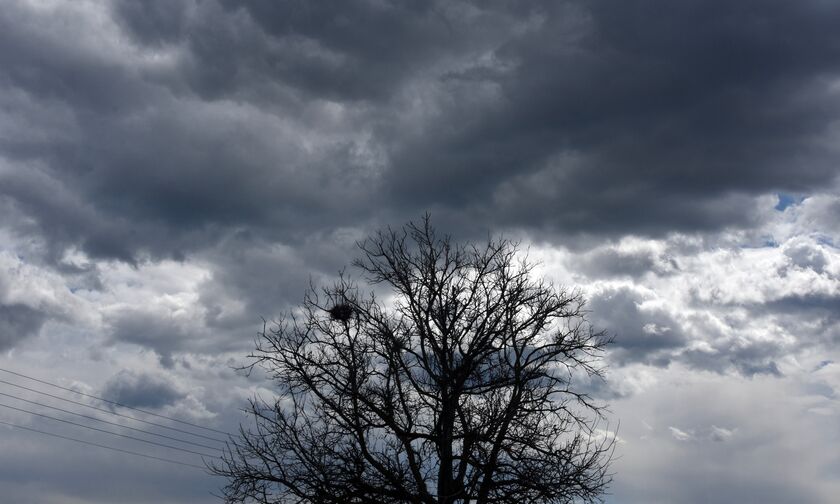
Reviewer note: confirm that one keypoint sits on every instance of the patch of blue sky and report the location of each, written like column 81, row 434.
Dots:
column 788, row 199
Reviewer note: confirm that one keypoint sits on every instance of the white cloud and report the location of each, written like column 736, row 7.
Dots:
column 716, row 301
column 680, row 435
column 721, row 434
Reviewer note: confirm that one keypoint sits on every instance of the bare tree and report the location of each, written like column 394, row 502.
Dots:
column 459, row 387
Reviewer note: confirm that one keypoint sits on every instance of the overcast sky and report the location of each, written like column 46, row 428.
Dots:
column 173, row 171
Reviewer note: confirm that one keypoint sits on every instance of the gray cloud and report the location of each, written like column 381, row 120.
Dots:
column 270, row 278
column 815, row 317
column 24, row 309
column 609, row 261
column 749, row 359
column 806, row 255
column 814, row 303
column 142, row 390
column 72, row 468
column 641, row 335
column 154, row 331
column 17, row 322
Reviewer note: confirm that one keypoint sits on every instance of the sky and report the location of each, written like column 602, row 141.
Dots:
column 174, row 172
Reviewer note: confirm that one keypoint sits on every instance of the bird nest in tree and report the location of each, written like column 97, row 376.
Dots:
column 341, row 312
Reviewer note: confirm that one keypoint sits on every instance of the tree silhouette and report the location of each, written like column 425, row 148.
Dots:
column 459, row 386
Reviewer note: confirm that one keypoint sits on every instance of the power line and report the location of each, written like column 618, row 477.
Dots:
column 112, row 402
column 113, row 412
column 103, row 446
column 109, row 423
column 107, row 431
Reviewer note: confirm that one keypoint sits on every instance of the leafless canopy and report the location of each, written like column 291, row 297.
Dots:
column 460, row 388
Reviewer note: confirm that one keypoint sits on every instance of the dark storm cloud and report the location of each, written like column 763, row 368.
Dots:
column 49, row 68
column 593, row 117
column 344, row 51
column 153, row 22
column 645, row 118
column 63, row 217
column 141, row 390
column 142, row 172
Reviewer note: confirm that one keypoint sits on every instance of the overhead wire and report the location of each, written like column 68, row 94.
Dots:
column 108, row 432
column 113, row 412
column 129, row 452
column 109, row 423
column 115, row 403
